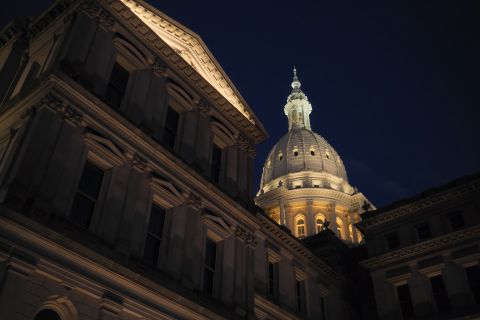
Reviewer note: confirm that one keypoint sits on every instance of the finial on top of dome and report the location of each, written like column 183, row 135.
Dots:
column 295, row 83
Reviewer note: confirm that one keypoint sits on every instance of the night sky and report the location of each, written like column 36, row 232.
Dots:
column 395, row 85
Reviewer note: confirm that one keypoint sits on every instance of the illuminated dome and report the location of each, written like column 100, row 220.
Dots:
column 302, row 150
column 304, row 182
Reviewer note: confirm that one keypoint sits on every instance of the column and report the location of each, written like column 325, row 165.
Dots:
column 456, row 284
column 354, row 230
column 310, row 218
column 332, row 217
column 282, row 212
column 421, row 293
column 289, row 219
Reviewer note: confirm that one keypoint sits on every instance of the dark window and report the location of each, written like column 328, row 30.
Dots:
column 393, row 241
column 312, row 153
column 87, row 194
column 272, row 279
column 116, row 86
column 154, row 234
column 298, row 186
column 47, row 314
column 316, row 186
column 171, row 126
column 216, row 163
column 322, row 304
column 295, row 153
column 405, row 301
column 440, row 293
column 209, row 268
column 280, row 157
column 300, row 295
column 423, row 231
column 473, row 276
column 456, row 220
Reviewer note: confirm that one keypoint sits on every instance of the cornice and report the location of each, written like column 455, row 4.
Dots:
column 471, row 187
column 265, row 309
column 142, row 18
column 423, row 248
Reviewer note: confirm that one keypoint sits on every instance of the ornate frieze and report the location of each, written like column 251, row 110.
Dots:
column 139, row 163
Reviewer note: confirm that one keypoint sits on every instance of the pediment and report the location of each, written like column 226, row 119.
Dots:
column 190, row 47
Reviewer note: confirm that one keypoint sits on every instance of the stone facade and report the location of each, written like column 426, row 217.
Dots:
column 424, row 254
column 125, row 179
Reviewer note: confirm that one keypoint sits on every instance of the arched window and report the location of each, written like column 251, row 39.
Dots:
column 300, row 227
column 47, row 314
column 340, row 228
column 280, row 156
column 319, row 220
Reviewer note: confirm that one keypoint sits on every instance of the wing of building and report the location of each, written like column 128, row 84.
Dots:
column 125, row 178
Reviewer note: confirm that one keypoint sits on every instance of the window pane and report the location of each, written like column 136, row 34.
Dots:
column 82, row 210
column 473, row 276
column 456, row 221
column 210, row 253
column 157, row 221
column 151, row 249
column 423, row 231
column 216, row 162
column 440, row 293
column 171, row 126
column 117, row 85
column 393, row 241
column 91, row 180
column 208, row 278
column 405, row 301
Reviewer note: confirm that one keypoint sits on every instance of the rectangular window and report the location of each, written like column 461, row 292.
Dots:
column 87, row 194
column 209, row 267
column 272, row 279
column 393, row 241
column 322, row 304
column 423, row 231
column 473, row 276
column 154, row 236
column 300, row 295
column 216, row 163
column 171, row 126
column 117, row 85
column 456, row 220
column 440, row 294
column 405, row 301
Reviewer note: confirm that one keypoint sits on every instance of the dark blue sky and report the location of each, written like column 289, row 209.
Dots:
column 395, row 85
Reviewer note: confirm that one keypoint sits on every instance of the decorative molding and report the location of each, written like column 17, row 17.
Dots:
column 60, row 106
column 46, row 19
column 432, row 200
column 104, row 152
column 165, row 193
column 421, row 249
column 139, row 163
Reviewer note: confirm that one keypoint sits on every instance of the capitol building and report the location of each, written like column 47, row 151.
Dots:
column 304, row 184
column 126, row 191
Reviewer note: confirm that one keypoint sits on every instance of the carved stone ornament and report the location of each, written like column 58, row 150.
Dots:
column 194, row 201
column 60, row 106
column 203, row 107
column 159, row 67
column 95, row 11
column 73, row 116
column 139, row 163
column 246, row 144
column 246, row 236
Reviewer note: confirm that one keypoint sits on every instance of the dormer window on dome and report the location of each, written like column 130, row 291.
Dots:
column 327, row 154
column 280, row 156
column 312, row 151
column 295, row 152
